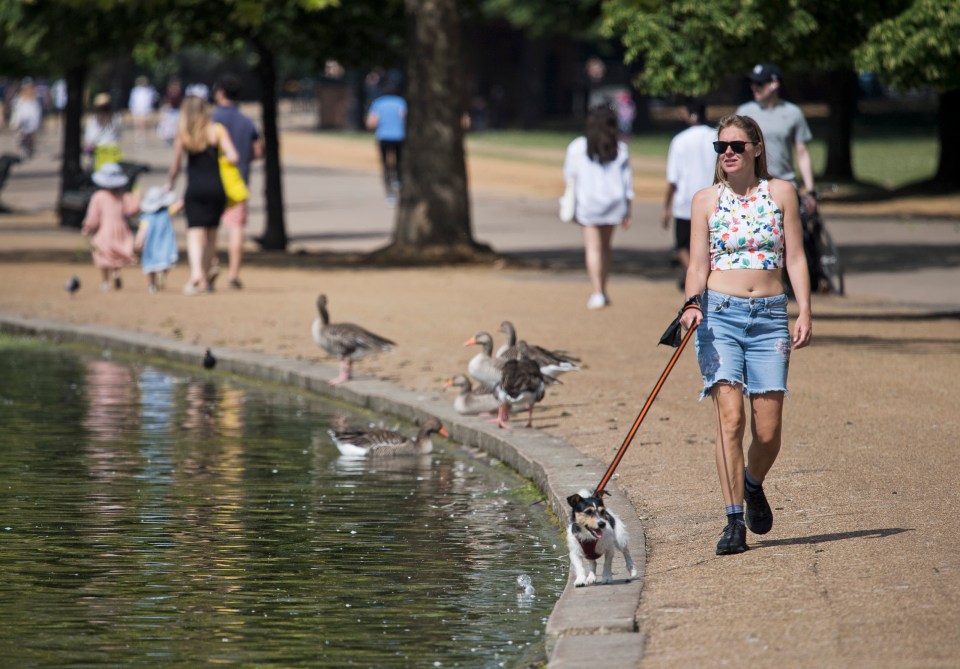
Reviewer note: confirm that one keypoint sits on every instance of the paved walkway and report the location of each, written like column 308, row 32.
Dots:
column 914, row 263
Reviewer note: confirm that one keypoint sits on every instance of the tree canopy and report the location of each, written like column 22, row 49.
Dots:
column 919, row 47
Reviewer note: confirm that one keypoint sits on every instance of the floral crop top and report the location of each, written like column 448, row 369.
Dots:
column 746, row 232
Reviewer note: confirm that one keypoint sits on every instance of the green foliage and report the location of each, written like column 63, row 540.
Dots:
column 688, row 46
column 920, row 47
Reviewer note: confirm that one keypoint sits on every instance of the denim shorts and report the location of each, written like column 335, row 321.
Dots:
column 744, row 341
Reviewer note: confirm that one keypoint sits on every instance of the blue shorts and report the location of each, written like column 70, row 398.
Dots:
column 744, row 341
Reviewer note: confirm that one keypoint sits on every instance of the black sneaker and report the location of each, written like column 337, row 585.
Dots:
column 733, row 540
column 759, row 517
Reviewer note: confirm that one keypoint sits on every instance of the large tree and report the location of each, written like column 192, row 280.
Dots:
column 919, row 48
column 689, row 47
column 433, row 215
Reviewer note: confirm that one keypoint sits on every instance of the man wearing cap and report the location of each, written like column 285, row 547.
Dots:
column 784, row 130
column 245, row 137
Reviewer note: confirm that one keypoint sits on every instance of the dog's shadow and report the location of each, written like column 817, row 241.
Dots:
column 880, row 533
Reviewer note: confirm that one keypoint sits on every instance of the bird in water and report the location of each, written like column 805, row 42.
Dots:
column 387, row 443
column 522, row 384
column 209, row 362
column 552, row 363
column 345, row 341
column 72, row 285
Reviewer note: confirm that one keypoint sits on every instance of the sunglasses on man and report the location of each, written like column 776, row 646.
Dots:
column 737, row 146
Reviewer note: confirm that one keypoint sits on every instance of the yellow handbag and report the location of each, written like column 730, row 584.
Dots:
column 233, row 184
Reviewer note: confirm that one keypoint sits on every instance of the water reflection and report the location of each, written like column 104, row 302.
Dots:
column 179, row 519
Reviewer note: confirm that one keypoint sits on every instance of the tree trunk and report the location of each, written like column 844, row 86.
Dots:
column 71, row 170
column 275, row 235
column 434, row 208
column 841, row 88
column 948, row 168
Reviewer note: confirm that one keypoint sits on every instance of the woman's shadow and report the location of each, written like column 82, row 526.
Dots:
column 835, row 536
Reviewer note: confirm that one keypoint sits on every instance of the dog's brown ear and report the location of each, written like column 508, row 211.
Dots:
column 574, row 499
column 602, row 493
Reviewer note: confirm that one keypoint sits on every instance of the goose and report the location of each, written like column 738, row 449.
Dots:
column 522, row 384
column 469, row 402
column 346, row 341
column 551, row 363
column 386, row 443
column 483, row 366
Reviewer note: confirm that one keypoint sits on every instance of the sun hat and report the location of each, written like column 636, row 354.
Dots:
column 764, row 72
column 157, row 198
column 101, row 100
column 110, row 175
column 197, row 91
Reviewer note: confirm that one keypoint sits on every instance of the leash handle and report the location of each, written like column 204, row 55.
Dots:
column 643, row 412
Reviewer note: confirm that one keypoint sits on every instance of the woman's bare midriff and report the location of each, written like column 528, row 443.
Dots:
column 747, row 282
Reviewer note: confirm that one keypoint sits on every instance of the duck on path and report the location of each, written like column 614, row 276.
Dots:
column 470, row 402
column 551, row 363
column 387, row 443
column 522, row 384
column 346, row 341
column 483, row 366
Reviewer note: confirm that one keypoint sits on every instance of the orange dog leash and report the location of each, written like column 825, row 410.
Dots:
column 643, row 413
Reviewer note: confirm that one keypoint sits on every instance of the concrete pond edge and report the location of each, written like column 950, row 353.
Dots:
column 586, row 623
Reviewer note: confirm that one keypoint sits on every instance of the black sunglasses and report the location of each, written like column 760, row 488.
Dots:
column 737, row 146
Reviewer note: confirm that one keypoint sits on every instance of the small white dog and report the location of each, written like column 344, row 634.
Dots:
column 594, row 531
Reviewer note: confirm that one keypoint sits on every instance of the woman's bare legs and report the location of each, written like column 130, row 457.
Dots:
column 766, row 423
column 766, row 414
column 596, row 244
column 731, row 422
column 196, row 254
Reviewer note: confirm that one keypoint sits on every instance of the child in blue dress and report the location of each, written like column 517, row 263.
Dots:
column 156, row 239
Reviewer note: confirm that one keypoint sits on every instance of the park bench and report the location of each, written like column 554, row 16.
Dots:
column 7, row 161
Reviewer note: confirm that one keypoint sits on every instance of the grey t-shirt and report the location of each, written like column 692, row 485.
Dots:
column 783, row 126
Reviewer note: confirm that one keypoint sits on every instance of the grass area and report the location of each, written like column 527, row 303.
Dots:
column 888, row 150
column 880, row 156
column 889, row 162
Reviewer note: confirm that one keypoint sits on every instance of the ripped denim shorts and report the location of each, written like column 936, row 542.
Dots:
column 744, row 341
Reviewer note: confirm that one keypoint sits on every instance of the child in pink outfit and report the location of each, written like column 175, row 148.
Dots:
column 112, row 240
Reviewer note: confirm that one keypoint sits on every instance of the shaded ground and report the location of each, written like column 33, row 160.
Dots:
column 861, row 568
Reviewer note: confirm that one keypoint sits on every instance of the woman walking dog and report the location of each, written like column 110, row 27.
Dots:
column 745, row 230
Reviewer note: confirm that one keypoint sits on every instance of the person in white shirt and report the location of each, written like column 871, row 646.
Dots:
column 597, row 171
column 27, row 116
column 143, row 97
column 691, row 162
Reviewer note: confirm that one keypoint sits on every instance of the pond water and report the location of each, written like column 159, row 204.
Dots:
column 163, row 516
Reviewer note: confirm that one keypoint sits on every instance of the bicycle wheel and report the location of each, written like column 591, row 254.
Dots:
column 831, row 268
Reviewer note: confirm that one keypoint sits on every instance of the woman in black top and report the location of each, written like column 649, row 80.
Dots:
column 204, row 200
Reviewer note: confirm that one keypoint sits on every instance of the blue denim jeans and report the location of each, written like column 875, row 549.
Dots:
column 744, row 341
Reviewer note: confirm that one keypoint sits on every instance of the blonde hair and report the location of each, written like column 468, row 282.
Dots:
column 194, row 120
column 754, row 134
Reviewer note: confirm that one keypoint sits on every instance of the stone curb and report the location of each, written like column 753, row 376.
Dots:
column 602, row 618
